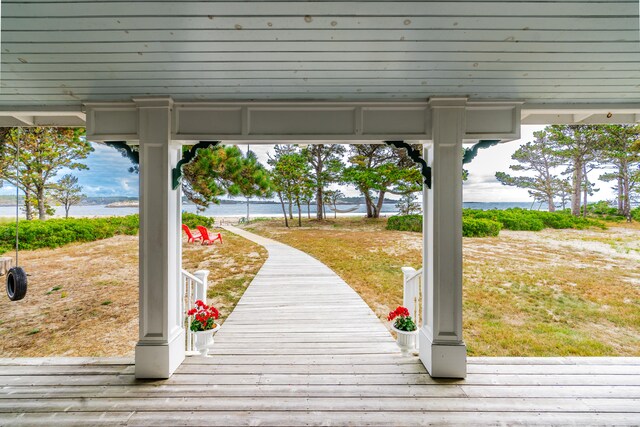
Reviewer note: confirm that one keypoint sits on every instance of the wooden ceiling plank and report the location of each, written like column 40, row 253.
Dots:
column 268, row 8
column 11, row 78
column 90, row 24
column 561, row 35
column 292, row 80
column 393, row 56
column 540, row 49
column 525, row 67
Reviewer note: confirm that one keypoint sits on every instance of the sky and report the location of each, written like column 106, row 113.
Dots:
column 108, row 173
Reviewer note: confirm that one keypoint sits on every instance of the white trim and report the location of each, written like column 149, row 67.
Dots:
column 266, row 122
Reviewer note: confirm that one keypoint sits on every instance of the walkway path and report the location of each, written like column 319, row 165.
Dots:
column 297, row 306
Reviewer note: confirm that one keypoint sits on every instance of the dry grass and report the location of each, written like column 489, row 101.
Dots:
column 550, row 293
column 83, row 298
column 233, row 265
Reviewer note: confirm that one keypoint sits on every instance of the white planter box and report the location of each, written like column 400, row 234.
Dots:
column 406, row 340
column 204, row 340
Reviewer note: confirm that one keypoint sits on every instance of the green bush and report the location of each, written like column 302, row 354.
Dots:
column 508, row 219
column 53, row 233
column 635, row 214
column 191, row 220
column 472, row 227
column 56, row 232
column 405, row 223
column 527, row 220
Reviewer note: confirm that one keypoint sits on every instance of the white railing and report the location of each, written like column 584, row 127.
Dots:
column 412, row 290
column 194, row 287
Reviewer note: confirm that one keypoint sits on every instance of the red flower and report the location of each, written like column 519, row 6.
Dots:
column 191, row 312
column 400, row 311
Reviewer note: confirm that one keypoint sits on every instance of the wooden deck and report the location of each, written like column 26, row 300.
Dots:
column 284, row 357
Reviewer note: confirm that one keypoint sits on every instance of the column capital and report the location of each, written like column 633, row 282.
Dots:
column 153, row 102
column 448, row 102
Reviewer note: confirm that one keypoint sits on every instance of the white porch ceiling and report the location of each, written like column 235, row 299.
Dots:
column 58, row 54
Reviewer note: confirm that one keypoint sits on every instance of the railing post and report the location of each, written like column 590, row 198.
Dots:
column 410, row 291
column 201, row 290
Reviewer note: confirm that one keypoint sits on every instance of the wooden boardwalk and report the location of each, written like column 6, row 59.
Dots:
column 302, row 348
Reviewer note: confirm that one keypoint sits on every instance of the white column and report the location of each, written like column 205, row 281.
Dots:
column 442, row 350
column 161, row 347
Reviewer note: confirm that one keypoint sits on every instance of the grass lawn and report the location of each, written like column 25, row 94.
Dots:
column 82, row 298
column 548, row 293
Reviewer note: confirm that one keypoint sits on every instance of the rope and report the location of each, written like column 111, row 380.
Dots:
column 17, row 195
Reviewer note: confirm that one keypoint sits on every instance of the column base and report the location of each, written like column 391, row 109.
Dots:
column 159, row 360
column 443, row 360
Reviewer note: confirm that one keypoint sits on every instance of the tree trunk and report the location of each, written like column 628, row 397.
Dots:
column 309, row 209
column 299, row 213
column 290, row 209
column 284, row 211
column 319, row 204
column 42, row 211
column 585, row 190
column 552, row 206
column 66, row 210
column 369, row 204
column 28, row 212
column 620, row 192
column 626, row 202
column 577, row 187
column 319, row 190
column 380, row 203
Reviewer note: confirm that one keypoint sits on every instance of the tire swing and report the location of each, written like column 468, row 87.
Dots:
column 16, row 276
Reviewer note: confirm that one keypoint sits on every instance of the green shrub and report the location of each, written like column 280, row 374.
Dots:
column 57, row 232
column 635, row 214
column 405, row 223
column 601, row 208
column 192, row 220
column 472, row 227
column 53, row 233
column 508, row 219
column 527, row 220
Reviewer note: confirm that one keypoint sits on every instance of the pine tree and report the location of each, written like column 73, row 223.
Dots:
column 377, row 169
column 43, row 152
column 618, row 149
column 326, row 166
column 222, row 170
column 539, row 158
column 68, row 192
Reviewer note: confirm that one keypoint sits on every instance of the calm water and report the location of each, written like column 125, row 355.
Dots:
column 238, row 210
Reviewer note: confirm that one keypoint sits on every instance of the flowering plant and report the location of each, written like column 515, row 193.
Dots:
column 205, row 317
column 403, row 320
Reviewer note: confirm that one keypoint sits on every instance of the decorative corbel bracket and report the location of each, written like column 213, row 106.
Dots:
column 131, row 154
column 471, row 153
column 415, row 156
column 176, row 173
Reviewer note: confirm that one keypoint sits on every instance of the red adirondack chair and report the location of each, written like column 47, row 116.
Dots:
column 191, row 237
column 206, row 238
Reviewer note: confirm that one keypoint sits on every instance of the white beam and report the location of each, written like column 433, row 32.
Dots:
column 265, row 122
column 580, row 117
column 442, row 349
column 25, row 120
column 161, row 345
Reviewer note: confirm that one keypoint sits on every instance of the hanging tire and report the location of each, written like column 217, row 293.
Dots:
column 16, row 283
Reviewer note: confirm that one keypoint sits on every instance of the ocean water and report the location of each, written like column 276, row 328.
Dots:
column 255, row 210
